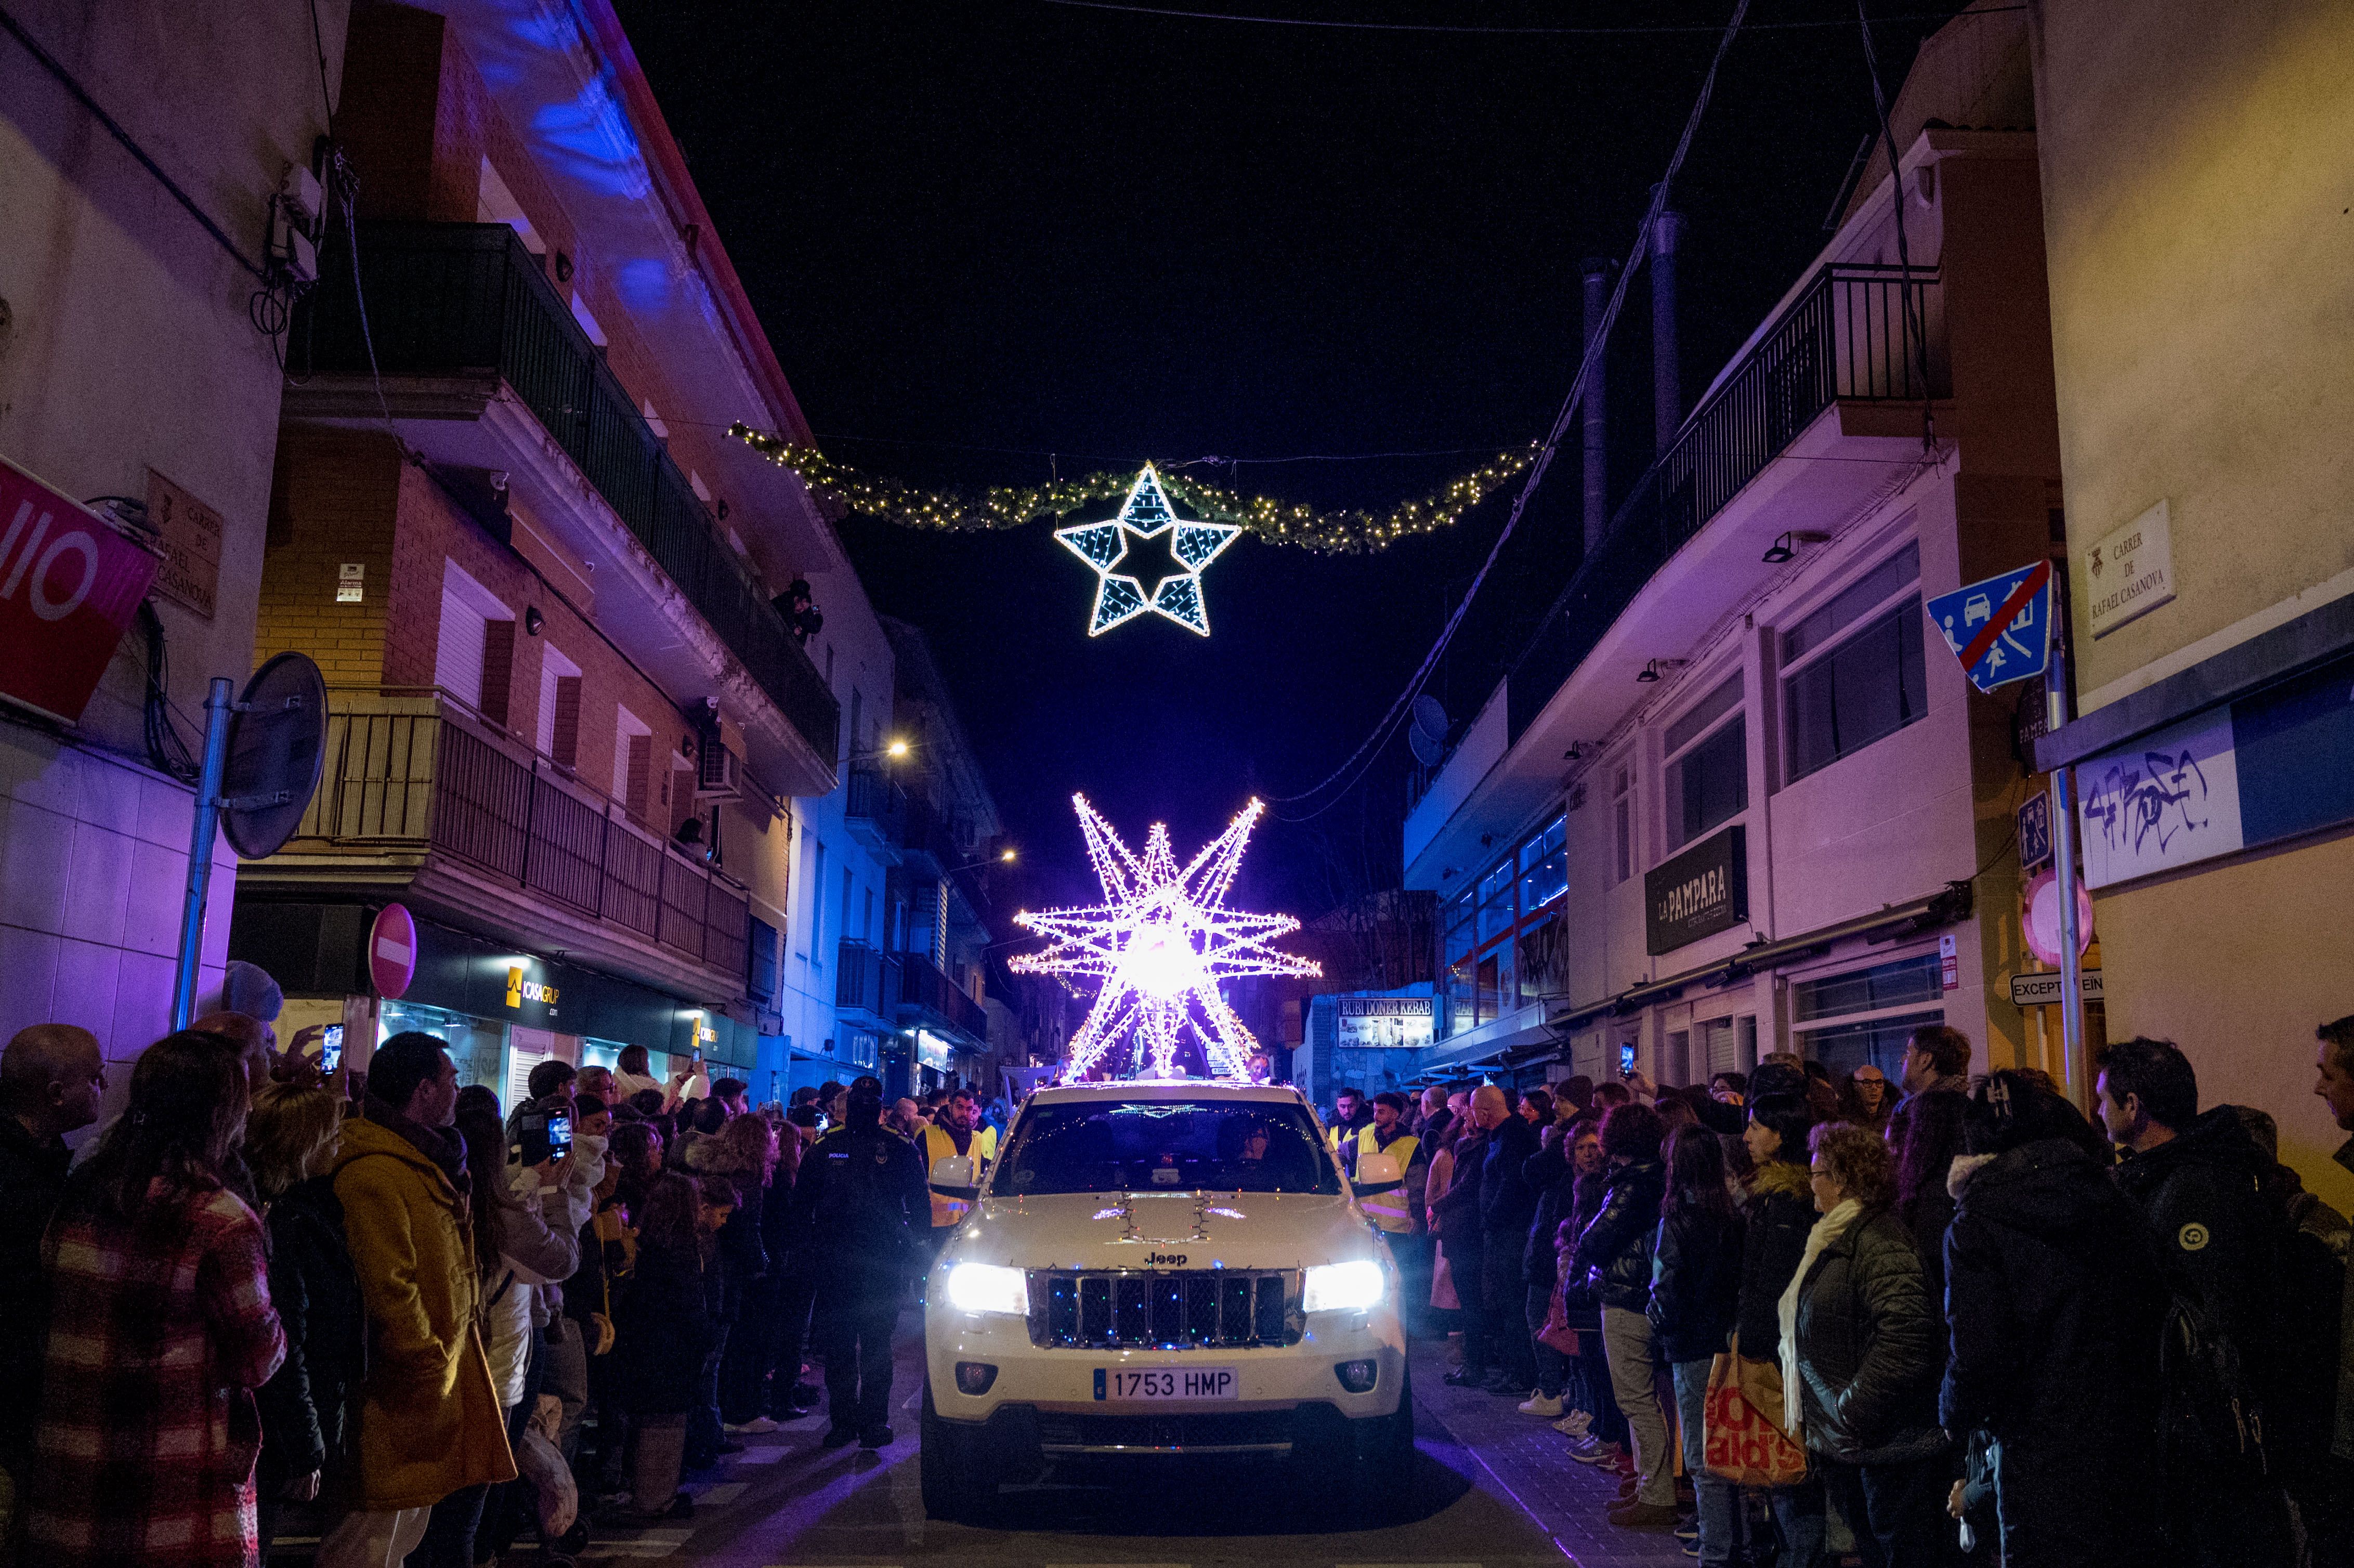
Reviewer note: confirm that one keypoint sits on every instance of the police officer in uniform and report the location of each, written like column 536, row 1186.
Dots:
column 860, row 1201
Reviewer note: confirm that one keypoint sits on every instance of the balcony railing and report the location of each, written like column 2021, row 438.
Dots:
column 923, row 989
column 1844, row 338
column 865, row 980
column 410, row 770
column 876, row 807
column 450, row 299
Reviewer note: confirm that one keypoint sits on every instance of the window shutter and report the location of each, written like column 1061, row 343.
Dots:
column 564, row 738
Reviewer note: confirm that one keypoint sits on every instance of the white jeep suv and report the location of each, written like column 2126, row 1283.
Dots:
column 1160, row 1269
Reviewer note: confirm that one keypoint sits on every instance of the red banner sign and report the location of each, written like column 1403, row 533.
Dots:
column 69, row 587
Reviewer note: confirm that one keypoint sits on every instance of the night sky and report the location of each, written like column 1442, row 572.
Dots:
column 1106, row 237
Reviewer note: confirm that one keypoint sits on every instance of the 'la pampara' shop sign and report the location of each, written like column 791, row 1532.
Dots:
column 1701, row 892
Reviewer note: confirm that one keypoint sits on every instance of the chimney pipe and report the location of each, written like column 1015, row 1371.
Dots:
column 1597, row 271
column 1667, row 377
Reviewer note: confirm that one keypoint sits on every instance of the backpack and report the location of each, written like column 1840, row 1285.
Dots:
column 2210, row 1406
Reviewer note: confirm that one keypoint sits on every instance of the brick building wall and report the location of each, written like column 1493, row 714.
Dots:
column 344, row 496
column 419, row 124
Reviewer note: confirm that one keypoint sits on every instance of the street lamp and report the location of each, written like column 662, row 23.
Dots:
column 1002, row 857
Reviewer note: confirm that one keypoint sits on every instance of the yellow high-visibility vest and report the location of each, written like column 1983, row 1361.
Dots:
column 1389, row 1211
column 938, row 1145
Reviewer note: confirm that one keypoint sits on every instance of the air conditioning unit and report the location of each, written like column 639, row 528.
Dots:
column 718, row 772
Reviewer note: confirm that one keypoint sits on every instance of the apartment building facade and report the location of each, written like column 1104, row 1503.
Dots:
column 2196, row 163
column 1736, row 797
column 139, row 412
column 568, row 722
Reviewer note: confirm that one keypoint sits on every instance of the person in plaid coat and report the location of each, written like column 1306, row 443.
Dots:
column 160, row 1330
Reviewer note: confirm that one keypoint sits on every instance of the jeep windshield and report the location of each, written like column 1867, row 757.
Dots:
column 1105, row 1145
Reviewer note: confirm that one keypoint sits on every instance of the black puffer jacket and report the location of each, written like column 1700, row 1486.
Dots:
column 1779, row 1213
column 1695, row 1283
column 1868, row 1348
column 306, row 1403
column 2055, row 1302
column 1548, row 1175
column 1507, row 1202
column 1616, row 1246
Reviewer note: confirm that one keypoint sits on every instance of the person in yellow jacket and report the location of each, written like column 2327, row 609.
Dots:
column 429, row 1421
column 955, row 1130
column 1399, row 1214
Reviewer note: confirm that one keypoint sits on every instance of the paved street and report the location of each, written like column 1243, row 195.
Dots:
column 1490, row 1486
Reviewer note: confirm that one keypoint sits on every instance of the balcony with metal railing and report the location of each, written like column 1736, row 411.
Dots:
column 451, row 307
column 417, row 789
column 1844, row 340
column 865, row 980
column 875, row 810
column 929, row 999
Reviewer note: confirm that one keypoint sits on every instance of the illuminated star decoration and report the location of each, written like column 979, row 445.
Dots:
column 1146, row 515
column 1160, row 941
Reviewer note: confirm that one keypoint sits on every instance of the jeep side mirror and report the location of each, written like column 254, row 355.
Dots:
column 1377, row 1173
column 953, row 1177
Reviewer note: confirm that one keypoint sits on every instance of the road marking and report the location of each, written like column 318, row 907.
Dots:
column 762, row 1455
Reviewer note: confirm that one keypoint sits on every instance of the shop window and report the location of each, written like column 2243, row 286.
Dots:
column 1544, row 959
column 1485, row 988
column 1880, row 1042
column 1856, row 667
column 1708, row 767
column 1675, row 1057
column 1545, row 867
column 1496, row 902
column 1622, row 824
column 1900, row 983
column 1459, row 1012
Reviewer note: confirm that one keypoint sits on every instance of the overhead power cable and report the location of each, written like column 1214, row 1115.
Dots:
column 1657, row 28
column 1589, row 367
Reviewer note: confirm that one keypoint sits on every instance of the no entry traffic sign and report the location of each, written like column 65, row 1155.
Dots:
column 1999, row 628
column 392, row 952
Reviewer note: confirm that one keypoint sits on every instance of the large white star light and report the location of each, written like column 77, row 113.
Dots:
column 1160, row 941
column 1175, row 590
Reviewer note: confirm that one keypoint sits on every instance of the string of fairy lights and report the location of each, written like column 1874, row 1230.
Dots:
column 1326, row 532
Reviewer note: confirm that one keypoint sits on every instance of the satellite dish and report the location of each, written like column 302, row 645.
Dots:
column 1429, row 718
column 277, row 746
column 1426, row 751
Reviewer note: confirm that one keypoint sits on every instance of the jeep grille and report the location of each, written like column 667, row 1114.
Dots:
column 1205, row 1308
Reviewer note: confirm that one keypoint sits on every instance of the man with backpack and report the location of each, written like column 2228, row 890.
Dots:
column 2223, row 1367
column 861, row 1200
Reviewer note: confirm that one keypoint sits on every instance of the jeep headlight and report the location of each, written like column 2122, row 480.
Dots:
column 1343, row 1286
column 989, row 1288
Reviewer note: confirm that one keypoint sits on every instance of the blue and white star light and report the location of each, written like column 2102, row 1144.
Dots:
column 1145, row 517
column 1160, row 941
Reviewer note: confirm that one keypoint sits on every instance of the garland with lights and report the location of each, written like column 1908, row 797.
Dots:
column 1344, row 532
column 1160, row 941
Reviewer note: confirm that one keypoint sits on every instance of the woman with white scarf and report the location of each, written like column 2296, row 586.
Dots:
column 1860, row 1363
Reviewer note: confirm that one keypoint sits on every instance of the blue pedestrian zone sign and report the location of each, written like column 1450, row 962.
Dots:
column 1999, row 628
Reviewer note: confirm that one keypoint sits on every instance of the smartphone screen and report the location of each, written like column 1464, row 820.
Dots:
column 331, row 1048
column 560, row 1133
column 1625, row 1061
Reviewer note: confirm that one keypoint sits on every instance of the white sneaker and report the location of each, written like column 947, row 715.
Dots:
column 756, row 1425
column 1574, row 1423
column 1540, row 1403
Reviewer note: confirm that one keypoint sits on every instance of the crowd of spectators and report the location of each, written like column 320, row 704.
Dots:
column 381, row 1310
column 1968, row 1316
